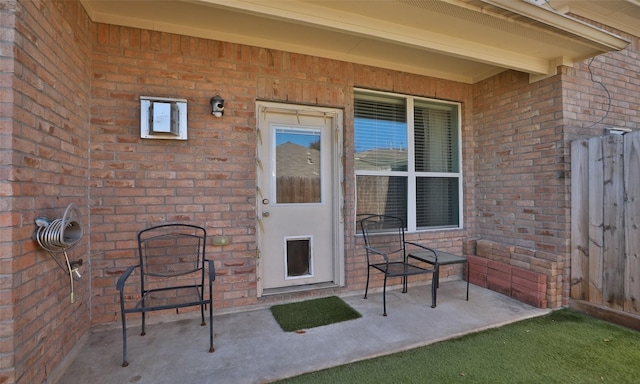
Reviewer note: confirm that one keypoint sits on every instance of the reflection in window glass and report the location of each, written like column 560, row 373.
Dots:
column 297, row 173
column 380, row 134
column 384, row 195
column 423, row 189
column 436, row 143
column 437, row 203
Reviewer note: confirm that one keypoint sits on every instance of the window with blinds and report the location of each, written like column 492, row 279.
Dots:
column 407, row 159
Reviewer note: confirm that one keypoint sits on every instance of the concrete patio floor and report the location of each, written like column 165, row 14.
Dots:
column 251, row 347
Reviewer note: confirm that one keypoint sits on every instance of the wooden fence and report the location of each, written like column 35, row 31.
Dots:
column 605, row 221
column 295, row 189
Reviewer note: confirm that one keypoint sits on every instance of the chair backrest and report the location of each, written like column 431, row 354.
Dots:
column 359, row 218
column 170, row 250
column 384, row 234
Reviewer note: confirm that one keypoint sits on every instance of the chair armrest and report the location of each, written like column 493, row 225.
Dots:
column 422, row 247
column 124, row 277
column 212, row 270
column 377, row 252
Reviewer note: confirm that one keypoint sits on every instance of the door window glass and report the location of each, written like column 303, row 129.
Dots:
column 297, row 165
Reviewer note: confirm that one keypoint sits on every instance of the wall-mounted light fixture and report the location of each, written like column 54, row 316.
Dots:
column 217, row 106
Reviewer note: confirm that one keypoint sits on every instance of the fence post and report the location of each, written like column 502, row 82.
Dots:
column 580, row 219
column 632, row 222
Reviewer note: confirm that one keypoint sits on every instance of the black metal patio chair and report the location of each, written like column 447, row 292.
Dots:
column 173, row 273
column 386, row 252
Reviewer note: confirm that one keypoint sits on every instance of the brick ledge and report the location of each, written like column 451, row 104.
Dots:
column 521, row 284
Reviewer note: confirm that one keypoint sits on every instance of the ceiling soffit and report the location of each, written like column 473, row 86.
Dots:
column 466, row 41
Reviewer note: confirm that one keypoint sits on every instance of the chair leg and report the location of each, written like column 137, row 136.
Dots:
column 143, row 324
column 434, row 292
column 366, row 287
column 125, row 363
column 468, row 268
column 384, row 296
column 211, row 349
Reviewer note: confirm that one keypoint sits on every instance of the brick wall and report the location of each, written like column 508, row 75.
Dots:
column 44, row 148
column 522, row 158
column 523, row 190
column 601, row 93
column 210, row 179
column 72, row 82
column 520, row 164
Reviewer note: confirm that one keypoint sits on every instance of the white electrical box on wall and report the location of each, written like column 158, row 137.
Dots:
column 163, row 118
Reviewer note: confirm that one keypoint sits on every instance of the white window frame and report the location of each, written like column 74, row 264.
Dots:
column 411, row 173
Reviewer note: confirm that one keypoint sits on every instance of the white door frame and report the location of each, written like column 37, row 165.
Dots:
column 337, row 175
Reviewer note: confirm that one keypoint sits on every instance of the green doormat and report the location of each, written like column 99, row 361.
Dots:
column 313, row 313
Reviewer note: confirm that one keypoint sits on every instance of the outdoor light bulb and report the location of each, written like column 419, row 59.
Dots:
column 217, row 114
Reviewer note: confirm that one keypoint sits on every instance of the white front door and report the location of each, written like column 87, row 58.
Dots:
column 299, row 197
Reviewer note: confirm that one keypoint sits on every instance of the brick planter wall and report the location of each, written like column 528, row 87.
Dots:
column 526, row 286
column 515, row 272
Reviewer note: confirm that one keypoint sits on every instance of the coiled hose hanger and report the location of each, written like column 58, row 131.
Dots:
column 58, row 237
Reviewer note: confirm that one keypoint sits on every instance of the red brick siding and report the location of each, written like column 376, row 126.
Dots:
column 520, row 167
column 45, row 92
column 515, row 154
column 603, row 92
column 210, row 179
column 523, row 192
column 599, row 94
column 523, row 134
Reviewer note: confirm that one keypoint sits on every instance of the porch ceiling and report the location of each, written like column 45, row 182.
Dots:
column 460, row 40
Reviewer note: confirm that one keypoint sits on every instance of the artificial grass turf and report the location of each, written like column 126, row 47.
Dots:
column 562, row 347
column 312, row 313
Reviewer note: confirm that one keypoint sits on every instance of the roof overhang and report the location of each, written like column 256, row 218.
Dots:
column 624, row 15
column 460, row 40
